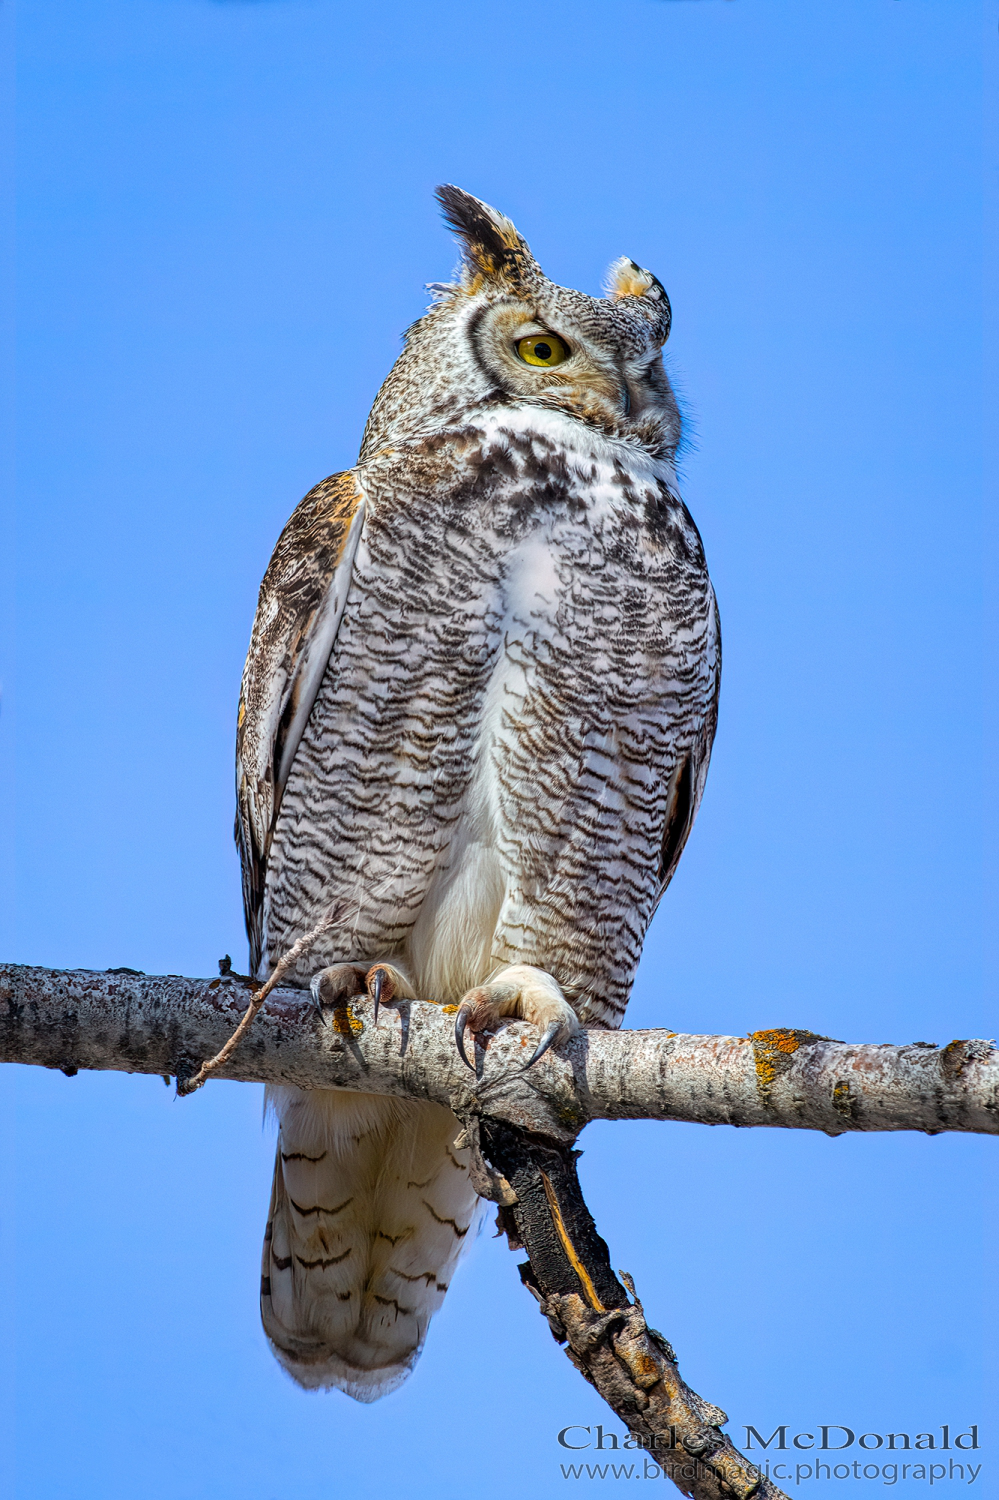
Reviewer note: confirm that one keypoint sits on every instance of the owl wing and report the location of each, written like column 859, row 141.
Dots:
column 302, row 598
column 687, row 782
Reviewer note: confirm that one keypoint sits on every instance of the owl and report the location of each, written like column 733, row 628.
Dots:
column 477, row 712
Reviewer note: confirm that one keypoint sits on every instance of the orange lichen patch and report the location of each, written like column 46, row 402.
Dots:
column 345, row 1022
column 844, row 1102
column 773, row 1050
column 783, row 1040
column 572, row 1119
column 449, row 1010
column 625, row 279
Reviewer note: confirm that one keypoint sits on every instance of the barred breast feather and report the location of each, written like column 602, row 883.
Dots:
column 507, row 750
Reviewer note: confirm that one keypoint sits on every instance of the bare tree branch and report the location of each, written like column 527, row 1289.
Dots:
column 139, row 1023
column 632, row 1366
column 521, row 1126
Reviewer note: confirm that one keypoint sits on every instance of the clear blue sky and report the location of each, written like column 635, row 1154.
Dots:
column 224, row 222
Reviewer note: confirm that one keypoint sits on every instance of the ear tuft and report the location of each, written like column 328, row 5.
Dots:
column 625, row 279
column 490, row 240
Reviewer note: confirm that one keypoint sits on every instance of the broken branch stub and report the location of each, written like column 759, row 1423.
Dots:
column 631, row 1366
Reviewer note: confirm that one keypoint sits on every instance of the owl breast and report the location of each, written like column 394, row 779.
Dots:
column 527, row 655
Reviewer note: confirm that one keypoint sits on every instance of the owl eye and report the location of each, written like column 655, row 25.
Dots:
column 545, row 349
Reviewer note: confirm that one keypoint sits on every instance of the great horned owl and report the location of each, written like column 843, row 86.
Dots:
column 477, row 710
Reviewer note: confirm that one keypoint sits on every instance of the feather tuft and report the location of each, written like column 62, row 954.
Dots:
column 626, row 279
column 490, row 240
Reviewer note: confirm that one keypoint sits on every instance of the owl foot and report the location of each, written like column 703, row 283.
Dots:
column 336, row 986
column 341, row 983
column 523, row 991
column 384, row 983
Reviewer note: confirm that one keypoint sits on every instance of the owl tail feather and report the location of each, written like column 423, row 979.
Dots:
column 371, row 1210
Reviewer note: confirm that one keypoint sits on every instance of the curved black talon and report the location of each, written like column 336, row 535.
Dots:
column 551, row 1032
column 377, row 985
column 459, row 1037
column 314, row 989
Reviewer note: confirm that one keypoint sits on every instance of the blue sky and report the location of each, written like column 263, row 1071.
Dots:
column 224, row 221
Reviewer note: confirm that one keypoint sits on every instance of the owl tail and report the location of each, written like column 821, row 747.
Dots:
column 370, row 1211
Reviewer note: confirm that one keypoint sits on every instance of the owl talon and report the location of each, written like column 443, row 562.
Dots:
column 385, row 983
column 459, row 1036
column 376, row 984
column 551, row 1034
column 522, row 991
column 479, row 1011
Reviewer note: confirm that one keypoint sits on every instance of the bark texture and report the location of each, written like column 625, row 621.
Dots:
column 139, row 1023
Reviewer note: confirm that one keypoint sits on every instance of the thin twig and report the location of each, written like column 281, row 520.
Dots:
column 334, row 917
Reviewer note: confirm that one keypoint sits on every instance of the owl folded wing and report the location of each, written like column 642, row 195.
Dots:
column 302, row 599
column 687, row 783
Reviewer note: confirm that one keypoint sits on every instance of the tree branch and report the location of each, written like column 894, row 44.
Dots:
column 520, row 1127
column 632, row 1366
column 137, row 1023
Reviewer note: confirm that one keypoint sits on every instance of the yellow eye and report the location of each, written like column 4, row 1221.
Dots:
column 545, row 349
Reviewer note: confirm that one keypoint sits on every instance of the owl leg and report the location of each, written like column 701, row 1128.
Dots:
column 523, row 991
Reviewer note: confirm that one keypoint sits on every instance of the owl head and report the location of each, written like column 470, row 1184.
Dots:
column 502, row 333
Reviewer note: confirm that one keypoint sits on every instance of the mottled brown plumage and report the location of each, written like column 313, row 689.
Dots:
column 478, row 711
